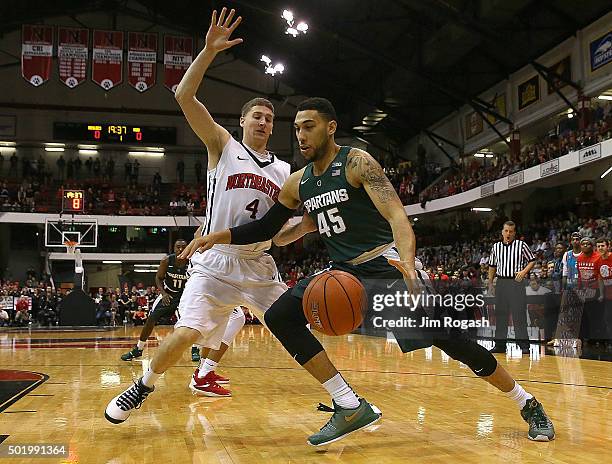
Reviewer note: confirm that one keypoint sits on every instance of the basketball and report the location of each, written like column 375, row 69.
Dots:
column 334, row 303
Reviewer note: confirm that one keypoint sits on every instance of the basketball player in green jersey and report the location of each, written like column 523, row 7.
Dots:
column 170, row 279
column 366, row 231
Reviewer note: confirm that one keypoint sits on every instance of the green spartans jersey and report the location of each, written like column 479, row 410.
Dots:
column 176, row 276
column 349, row 223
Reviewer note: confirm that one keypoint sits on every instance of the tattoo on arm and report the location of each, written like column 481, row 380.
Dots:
column 370, row 173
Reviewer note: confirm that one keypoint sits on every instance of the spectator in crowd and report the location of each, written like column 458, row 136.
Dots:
column 78, row 164
column 103, row 314
column 13, row 165
column 110, row 169
column 198, row 171
column 4, row 318
column 536, row 310
column 555, row 267
column 61, row 167
column 135, row 172
column 157, row 180
column 140, row 316
column 89, row 167
column 180, row 171
column 127, row 170
column 593, row 323
column 603, row 274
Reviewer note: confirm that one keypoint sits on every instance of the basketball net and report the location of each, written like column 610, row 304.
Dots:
column 71, row 249
column 70, row 246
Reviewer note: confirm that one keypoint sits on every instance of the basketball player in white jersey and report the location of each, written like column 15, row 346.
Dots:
column 244, row 180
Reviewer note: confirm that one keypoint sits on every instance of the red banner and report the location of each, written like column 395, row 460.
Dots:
column 142, row 60
column 178, row 54
column 107, row 59
column 36, row 53
column 72, row 50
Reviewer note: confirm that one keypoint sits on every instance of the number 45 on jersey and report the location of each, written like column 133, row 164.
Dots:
column 333, row 218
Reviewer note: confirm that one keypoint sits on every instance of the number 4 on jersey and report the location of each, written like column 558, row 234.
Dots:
column 252, row 207
column 336, row 221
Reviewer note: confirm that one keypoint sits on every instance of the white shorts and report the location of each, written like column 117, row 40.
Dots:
column 220, row 280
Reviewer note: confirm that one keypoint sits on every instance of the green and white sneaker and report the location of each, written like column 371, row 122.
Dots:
column 195, row 354
column 344, row 422
column 132, row 354
column 540, row 426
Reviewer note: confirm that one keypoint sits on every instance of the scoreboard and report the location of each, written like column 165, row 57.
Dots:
column 73, row 201
column 114, row 133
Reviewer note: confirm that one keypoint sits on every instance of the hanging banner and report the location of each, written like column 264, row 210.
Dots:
column 499, row 105
column 600, row 51
column 36, row 53
column 72, row 53
column 178, row 54
column 473, row 125
column 562, row 68
column 107, row 59
column 142, row 60
column 528, row 92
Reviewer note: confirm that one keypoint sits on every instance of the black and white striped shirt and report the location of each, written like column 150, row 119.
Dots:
column 511, row 258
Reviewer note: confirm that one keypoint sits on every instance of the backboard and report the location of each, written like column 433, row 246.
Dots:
column 81, row 230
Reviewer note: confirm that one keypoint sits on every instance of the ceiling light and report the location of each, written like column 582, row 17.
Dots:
column 145, row 270
column 54, row 148
column 87, row 147
column 361, row 128
column 287, row 15
column 606, row 173
column 482, row 210
column 415, row 219
column 7, row 144
column 88, row 152
column 146, row 153
column 605, row 97
column 111, row 262
column 278, row 68
column 570, row 115
column 292, row 29
column 479, row 155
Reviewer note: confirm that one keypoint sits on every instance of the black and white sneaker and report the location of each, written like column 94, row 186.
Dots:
column 120, row 407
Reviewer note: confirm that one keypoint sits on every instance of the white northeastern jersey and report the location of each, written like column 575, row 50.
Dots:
column 241, row 189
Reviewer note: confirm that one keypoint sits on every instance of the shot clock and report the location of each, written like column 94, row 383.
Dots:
column 73, row 201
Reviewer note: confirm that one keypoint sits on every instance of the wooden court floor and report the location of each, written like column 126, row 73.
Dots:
column 434, row 409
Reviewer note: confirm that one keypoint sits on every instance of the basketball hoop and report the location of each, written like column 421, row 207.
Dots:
column 70, row 246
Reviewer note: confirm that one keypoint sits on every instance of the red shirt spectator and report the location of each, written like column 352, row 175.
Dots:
column 585, row 264
column 603, row 270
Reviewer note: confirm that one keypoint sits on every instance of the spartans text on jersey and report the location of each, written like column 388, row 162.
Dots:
column 326, row 199
column 248, row 180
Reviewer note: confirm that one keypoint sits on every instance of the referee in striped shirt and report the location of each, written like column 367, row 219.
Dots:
column 510, row 261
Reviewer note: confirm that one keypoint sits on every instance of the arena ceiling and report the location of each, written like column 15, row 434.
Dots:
column 414, row 60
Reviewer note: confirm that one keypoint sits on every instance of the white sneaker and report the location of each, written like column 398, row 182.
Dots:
column 120, row 407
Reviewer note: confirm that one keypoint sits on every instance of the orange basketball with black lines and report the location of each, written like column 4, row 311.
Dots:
column 334, row 303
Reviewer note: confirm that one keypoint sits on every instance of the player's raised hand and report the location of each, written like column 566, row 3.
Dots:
column 220, row 30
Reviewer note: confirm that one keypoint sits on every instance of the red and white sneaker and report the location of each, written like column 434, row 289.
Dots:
column 205, row 386
column 218, row 378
